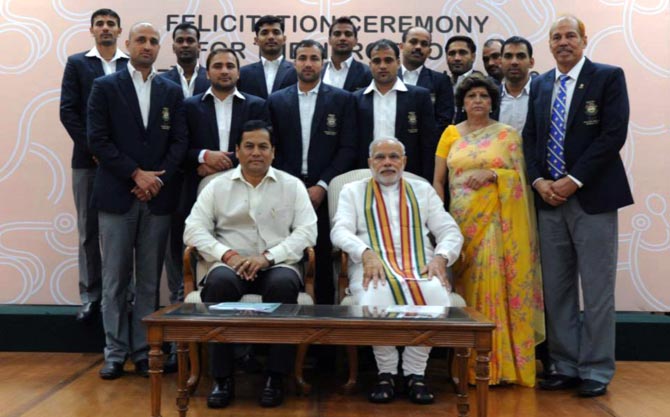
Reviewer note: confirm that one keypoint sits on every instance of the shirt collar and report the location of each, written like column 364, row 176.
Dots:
column 344, row 65
column 237, row 174
column 133, row 71
column 209, row 92
column 180, row 70
column 275, row 63
column 526, row 88
column 95, row 53
column 398, row 86
column 574, row 72
column 314, row 90
column 404, row 70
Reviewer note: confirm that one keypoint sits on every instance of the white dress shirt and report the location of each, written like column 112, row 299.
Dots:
column 188, row 86
column 350, row 232
column 337, row 77
column 513, row 110
column 270, row 69
column 143, row 90
column 107, row 66
column 224, row 117
column 306, row 104
column 410, row 77
column 230, row 214
column 384, row 106
column 461, row 77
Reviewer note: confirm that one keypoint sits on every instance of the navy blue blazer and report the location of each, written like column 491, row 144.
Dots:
column 441, row 94
column 203, row 132
column 201, row 81
column 358, row 76
column 414, row 127
column 117, row 137
column 332, row 144
column 596, row 131
column 80, row 71
column 252, row 78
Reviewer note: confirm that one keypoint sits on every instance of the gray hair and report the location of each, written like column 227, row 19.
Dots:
column 380, row 140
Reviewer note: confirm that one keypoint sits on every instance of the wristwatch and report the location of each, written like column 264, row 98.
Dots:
column 269, row 257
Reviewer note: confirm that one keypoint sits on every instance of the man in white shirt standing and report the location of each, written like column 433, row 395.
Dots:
column 517, row 61
column 389, row 265
column 136, row 131
column 342, row 70
column 256, row 239
column 187, row 73
column 272, row 72
column 80, row 71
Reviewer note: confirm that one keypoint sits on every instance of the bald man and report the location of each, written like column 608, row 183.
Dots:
column 137, row 133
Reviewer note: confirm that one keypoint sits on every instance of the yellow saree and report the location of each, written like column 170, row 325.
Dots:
column 500, row 272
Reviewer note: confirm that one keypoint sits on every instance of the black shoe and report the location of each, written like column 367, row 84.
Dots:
column 417, row 390
column 273, row 392
column 384, row 390
column 557, row 382
column 142, row 368
column 222, row 393
column 591, row 388
column 170, row 365
column 88, row 311
column 111, row 370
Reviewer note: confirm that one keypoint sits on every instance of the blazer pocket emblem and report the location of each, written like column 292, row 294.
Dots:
column 331, row 125
column 591, row 112
column 413, row 122
column 166, row 118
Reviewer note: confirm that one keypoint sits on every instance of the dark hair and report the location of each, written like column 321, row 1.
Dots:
column 105, row 12
column 186, row 26
column 405, row 33
column 458, row 38
column 310, row 43
column 477, row 80
column 217, row 51
column 382, row 44
column 344, row 20
column 490, row 41
column 268, row 19
column 253, row 125
column 516, row 40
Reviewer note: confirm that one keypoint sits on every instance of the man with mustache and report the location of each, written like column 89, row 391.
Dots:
column 315, row 138
column 343, row 71
column 390, row 108
column 80, row 71
column 273, row 72
column 576, row 125
column 491, row 57
column 371, row 226
column 460, row 52
column 255, row 222
column 415, row 47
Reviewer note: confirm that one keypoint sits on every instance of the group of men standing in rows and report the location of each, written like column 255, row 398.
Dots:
column 143, row 141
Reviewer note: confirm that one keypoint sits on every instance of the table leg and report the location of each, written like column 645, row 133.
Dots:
column 155, row 375
column 482, row 376
column 462, row 356
column 182, row 386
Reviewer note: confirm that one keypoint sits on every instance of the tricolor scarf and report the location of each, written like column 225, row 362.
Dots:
column 412, row 251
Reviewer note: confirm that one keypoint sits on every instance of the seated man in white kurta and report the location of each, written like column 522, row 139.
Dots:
column 383, row 224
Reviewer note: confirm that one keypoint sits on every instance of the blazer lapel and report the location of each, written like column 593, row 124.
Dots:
column 96, row 66
column 281, row 73
column 201, row 83
column 580, row 89
column 319, row 109
column 425, row 80
column 210, row 116
column 401, row 112
column 156, row 102
column 235, row 123
column 260, row 77
column 130, row 97
column 544, row 107
column 352, row 75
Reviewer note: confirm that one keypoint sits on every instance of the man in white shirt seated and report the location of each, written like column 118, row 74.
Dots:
column 383, row 224
column 254, row 222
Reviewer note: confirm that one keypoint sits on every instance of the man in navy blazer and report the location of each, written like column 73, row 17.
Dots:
column 187, row 73
column 80, row 71
column 415, row 46
column 343, row 71
column 576, row 125
column 273, row 72
column 214, row 121
column 315, row 139
column 136, row 131
column 389, row 108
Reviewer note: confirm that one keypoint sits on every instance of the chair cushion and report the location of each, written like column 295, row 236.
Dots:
column 194, row 297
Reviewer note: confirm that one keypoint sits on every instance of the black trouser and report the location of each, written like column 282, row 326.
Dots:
column 324, row 288
column 276, row 285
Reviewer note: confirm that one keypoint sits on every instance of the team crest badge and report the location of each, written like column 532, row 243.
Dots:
column 165, row 114
column 411, row 118
column 591, row 108
column 331, row 121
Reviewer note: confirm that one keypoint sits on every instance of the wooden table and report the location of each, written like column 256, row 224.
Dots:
column 460, row 328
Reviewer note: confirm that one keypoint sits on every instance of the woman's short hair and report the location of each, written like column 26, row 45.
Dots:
column 477, row 80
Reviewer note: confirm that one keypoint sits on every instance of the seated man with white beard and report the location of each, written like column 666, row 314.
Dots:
column 383, row 224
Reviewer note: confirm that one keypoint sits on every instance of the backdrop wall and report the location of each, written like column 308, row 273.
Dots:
column 38, row 256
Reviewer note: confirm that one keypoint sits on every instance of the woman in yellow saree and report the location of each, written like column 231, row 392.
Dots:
column 499, row 271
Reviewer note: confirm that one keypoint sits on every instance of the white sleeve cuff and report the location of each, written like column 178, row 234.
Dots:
column 201, row 156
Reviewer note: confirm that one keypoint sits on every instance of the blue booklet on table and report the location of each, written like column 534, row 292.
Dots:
column 257, row 307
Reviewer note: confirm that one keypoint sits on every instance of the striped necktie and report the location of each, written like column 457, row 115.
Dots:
column 555, row 153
